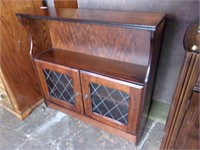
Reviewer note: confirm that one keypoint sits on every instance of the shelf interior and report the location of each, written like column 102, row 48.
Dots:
column 111, row 68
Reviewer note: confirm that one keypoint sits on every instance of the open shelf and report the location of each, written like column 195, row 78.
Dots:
column 120, row 70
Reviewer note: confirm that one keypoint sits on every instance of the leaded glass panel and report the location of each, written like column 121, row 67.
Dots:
column 60, row 86
column 110, row 102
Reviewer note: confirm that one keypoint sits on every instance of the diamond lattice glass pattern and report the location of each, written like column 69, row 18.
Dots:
column 110, row 102
column 60, row 86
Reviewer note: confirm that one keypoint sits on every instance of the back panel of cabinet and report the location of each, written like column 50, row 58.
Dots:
column 122, row 44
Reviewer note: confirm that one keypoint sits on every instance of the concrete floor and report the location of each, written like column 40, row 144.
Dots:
column 48, row 129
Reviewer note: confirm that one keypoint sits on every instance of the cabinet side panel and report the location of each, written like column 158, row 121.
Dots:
column 156, row 40
column 15, row 61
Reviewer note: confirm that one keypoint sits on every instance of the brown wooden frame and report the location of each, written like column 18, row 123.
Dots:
column 73, row 73
column 134, row 91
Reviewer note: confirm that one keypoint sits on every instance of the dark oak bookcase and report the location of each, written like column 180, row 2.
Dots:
column 97, row 65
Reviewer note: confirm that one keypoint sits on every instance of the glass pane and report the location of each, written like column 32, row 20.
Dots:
column 110, row 102
column 60, row 86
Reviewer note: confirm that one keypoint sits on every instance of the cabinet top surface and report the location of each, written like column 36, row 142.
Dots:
column 148, row 21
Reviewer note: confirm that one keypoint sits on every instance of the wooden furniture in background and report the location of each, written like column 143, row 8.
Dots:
column 65, row 3
column 98, row 66
column 20, row 93
column 19, row 89
column 61, row 3
column 182, row 128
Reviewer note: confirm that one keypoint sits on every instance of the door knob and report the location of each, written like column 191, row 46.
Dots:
column 85, row 97
column 77, row 94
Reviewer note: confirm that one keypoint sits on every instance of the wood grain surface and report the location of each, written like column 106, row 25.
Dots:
column 66, row 3
column 182, row 96
column 16, row 64
column 86, row 40
column 122, row 44
column 148, row 21
column 116, row 69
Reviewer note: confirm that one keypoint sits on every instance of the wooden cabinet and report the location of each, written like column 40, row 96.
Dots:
column 184, row 133
column 182, row 128
column 98, row 66
column 19, row 88
column 105, row 99
column 21, row 92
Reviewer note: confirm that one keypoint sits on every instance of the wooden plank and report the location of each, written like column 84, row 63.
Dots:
column 130, row 19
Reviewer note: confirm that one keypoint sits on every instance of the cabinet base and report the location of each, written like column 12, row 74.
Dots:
column 24, row 114
column 122, row 134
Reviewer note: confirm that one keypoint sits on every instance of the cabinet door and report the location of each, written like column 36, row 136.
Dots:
column 60, row 85
column 111, row 101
